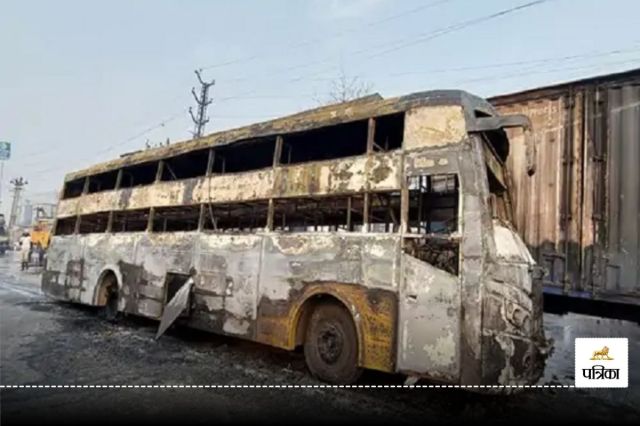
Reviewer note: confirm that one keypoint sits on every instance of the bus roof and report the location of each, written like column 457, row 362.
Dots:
column 358, row 109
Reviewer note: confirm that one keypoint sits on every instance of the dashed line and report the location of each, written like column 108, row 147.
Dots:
column 281, row 386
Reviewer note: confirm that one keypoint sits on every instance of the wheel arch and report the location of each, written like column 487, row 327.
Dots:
column 305, row 309
column 99, row 297
column 373, row 312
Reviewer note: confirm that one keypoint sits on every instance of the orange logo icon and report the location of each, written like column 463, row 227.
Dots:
column 602, row 354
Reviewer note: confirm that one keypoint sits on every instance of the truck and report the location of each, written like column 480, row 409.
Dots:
column 4, row 236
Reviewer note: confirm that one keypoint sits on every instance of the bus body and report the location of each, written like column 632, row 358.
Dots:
column 376, row 233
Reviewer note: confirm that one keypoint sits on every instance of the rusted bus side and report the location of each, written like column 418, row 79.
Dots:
column 77, row 263
column 226, row 273
column 62, row 278
column 429, row 323
column 580, row 213
column 259, row 287
column 361, row 271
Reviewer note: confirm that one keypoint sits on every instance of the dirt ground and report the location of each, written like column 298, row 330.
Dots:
column 45, row 342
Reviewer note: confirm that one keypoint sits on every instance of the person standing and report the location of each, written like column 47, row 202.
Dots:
column 25, row 251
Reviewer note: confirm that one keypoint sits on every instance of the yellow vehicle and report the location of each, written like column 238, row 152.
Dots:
column 41, row 232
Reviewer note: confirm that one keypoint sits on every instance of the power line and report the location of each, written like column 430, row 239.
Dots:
column 169, row 119
column 248, row 95
column 424, row 37
column 251, row 95
column 39, row 153
column 125, row 141
column 389, row 47
column 500, row 64
column 498, row 77
column 421, row 38
column 528, row 73
column 516, row 63
column 368, row 25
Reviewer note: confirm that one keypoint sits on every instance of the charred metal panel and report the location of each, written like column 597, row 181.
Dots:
column 380, row 261
column 256, row 185
column 512, row 338
column 155, row 255
column 134, row 289
column 67, row 208
column 434, row 126
column 384, row 171
column 98, row 202
column 175, row 307
column 291, row 260
column 158, row 195
column 66, row 266
column 476, row 245
column 513, row 346
column 431, row 162
column 319, row 178
column 226, row 283
column 104, row 252
column 429, row 321
column 356, row 174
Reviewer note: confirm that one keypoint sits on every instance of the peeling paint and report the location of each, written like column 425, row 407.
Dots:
column 434, row 126
column 442, row 352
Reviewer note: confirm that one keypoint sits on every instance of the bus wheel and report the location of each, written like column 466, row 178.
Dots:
column 331, row 345
column 110, row 309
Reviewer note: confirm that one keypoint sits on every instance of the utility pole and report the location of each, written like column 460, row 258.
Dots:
column 203, row 102
column 18, row 186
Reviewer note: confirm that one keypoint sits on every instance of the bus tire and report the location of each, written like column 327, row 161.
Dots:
column 110, row 310
column 331, row 345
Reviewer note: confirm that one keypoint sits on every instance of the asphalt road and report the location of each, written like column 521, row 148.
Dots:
column 44, row 342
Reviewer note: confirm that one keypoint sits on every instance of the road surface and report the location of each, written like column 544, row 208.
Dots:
column 49, row 343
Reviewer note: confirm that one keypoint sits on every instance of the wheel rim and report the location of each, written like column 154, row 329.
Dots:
column 330, row 343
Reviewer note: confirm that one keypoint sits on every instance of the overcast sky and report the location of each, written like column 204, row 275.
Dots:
column 83, row 81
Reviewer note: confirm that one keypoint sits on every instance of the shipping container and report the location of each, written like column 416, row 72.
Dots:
column 580, row 212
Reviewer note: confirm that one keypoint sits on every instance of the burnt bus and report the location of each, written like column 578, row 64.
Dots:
column 375, row 233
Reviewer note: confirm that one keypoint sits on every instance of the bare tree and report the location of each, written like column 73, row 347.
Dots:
column 345, row 88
